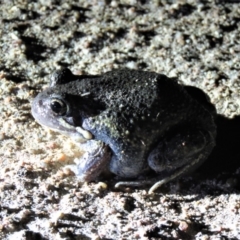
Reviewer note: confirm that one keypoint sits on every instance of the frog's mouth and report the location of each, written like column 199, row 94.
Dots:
column 76, row 133
column 86, row 134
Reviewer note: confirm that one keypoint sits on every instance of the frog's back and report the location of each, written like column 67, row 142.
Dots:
column 155, row 100
column 140, row 89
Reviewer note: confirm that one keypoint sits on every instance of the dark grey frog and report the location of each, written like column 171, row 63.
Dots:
column 129, row 122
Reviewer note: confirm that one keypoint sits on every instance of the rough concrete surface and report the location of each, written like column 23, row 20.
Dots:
column 196, row 41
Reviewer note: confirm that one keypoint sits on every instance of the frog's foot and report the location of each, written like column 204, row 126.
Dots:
column 155, row 182
column 137, row 183
column 93, row 162
column 174, row 175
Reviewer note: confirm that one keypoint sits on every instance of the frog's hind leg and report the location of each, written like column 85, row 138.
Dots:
column 157, row 182
column 176, row 155
column 180, row 153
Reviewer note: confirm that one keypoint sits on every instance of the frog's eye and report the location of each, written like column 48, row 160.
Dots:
column 58, row 106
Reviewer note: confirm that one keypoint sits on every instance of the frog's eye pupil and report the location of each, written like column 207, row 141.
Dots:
column 58, row 107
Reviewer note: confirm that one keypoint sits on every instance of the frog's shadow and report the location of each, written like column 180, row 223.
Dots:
column 225, row 157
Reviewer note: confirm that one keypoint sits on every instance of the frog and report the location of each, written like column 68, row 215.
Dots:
column 131, row 123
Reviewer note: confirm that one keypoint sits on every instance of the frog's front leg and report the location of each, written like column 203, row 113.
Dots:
column 93, row 162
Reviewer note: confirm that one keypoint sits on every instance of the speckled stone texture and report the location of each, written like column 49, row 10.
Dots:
column 196, row 41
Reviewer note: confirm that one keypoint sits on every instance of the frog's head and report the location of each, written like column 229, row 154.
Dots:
column 62, row 108
column 57, row 112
